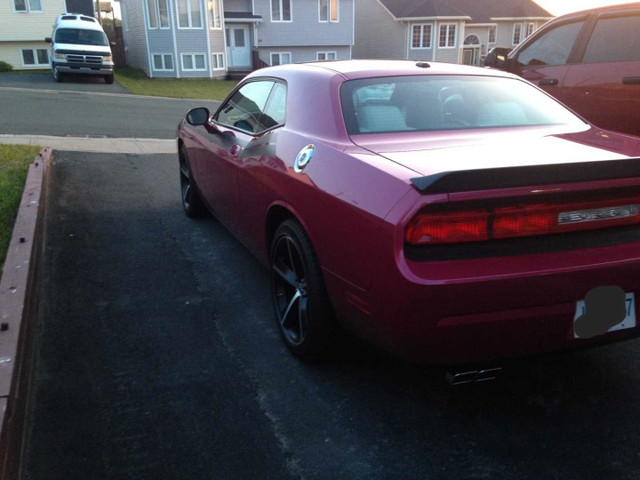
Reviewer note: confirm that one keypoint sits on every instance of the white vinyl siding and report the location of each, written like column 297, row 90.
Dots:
column 27, row 5
column 281, row 11
column 32, row 57
column 326, row 55
column 189, row 13
column 447, row 38
column 421, row 35
column 328, row 10
column 280, row 58
column 162, row 62
column 217, row 61
column 193, row 62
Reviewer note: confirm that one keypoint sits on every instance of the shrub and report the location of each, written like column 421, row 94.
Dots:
column 5, row 67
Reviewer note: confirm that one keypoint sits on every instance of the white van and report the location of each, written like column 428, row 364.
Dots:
column 79, row 46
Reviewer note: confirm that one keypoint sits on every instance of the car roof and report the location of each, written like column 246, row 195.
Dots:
column 72, row 20
column 355, row 69
column 603, row 9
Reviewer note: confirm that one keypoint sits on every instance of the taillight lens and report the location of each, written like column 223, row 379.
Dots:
column 520, row 221
column 451, row 227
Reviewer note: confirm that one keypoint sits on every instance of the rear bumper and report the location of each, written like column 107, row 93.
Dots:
column 481, row 310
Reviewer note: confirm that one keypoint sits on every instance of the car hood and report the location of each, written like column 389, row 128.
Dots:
column 434, row 153
column 73, row 47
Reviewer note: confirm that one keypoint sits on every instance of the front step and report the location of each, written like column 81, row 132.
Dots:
column 237, row 74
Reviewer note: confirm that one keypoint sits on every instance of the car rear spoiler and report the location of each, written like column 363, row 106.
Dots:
column 511, row 177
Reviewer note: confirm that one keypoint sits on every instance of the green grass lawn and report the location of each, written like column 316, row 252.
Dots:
column 14, row 164
column 137, row 82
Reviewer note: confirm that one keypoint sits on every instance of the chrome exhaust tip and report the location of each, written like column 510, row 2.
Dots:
column 460, row 377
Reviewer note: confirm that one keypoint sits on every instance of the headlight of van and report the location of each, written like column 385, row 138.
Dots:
column 59, row 55
column 108, row 58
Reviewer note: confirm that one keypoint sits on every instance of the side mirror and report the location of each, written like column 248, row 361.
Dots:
column 198, row 116
column 47, row 39
column 497, row 58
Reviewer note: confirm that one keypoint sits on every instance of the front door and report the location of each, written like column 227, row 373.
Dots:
column 238, row 48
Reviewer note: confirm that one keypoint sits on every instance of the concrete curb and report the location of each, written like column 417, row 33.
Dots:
column 141, row 146
column 19, row 309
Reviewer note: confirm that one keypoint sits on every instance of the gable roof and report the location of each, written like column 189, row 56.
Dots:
column 478, row 11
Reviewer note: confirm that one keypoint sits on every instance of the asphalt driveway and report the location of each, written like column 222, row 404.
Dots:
column 45, row 81
column 160, row 358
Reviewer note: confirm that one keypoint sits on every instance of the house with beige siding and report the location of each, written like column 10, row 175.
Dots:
column 24, row 24
column 213, row 38
column 454, row 31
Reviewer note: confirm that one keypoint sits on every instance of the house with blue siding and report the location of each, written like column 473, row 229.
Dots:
column 454, row 31
column 215, row 38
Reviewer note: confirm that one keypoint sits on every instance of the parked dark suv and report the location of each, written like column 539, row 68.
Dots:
column 588, row 60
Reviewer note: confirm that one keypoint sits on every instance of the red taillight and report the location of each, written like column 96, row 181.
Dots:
column 521, row 221
column 450, row 227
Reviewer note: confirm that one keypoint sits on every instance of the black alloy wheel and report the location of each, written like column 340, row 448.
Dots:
column 303, row 310
column 191, row 202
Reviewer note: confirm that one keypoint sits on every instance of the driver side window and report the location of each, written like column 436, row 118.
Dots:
column 244, row 110
column 552, row 47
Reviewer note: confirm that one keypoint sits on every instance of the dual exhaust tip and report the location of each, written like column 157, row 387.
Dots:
column 461, row 377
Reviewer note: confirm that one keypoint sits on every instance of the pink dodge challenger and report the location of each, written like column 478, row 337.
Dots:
column 445, row 213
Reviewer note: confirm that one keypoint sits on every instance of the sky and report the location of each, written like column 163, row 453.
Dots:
column 560, row 7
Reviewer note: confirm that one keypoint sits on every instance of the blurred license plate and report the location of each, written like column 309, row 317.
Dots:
column 628, row 322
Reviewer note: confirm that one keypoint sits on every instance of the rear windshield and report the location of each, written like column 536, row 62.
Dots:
column 446, row 102
column 80, row 36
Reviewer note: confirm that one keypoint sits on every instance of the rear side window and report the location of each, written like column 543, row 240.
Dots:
column 255, row 107
column 552, row 47
column 614, row 39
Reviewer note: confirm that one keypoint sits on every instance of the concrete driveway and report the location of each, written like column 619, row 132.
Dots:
column 45, row 81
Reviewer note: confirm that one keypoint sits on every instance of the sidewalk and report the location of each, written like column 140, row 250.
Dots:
column 91, row 144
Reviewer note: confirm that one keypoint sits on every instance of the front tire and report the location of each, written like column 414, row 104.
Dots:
column 303, row 310
column 108, row 79
column 57, row 76
column 191, row 202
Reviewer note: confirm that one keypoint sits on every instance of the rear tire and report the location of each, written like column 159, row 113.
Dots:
column 191, row 202
column 303, row 310
column 108, row 79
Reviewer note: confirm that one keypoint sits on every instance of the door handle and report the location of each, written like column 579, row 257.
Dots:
column 235, row 150
column 552, row 82
column 631, row 81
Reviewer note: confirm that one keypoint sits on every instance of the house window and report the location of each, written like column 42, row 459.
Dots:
column 193, row 62
column 326, row 55
column 157, row 10
column 517, row 33
column 32, row 57
column 27, row 5
column 493, row 32
column 280, row 10
column 214, row 13
column 280, row 58
column 447, row 35
column 531, row 27
column 189, row 14
column 162, row 61
column 217, row 61
column 421, row 36
column 328, row 10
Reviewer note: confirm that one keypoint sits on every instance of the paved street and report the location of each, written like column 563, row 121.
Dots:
column 160, row 359
column 76, row 83
column 38, row 112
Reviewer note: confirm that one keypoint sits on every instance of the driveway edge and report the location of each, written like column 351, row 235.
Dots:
column 20, row 290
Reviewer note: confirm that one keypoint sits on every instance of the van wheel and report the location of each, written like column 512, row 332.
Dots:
column 57, row 76
column 108, row 79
